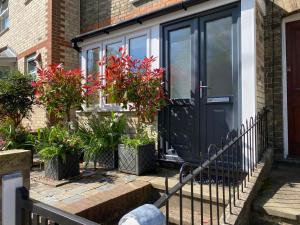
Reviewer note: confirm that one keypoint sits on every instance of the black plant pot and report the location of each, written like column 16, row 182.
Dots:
column 57, row 169
column 108, row 159
column 137, row 161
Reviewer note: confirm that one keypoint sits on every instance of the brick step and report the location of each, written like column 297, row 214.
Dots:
column 186, row 212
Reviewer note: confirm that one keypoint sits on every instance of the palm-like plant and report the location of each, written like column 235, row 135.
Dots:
column 57, row 141
column 100, row 134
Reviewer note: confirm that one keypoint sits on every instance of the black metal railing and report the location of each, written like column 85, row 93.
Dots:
column 225, row 174
column 29, row 212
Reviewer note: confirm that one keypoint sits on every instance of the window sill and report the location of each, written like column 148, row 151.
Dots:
column 4, row 31
column 139, row 2
column 103, row 109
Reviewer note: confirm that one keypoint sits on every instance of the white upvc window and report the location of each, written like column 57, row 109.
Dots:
column 111, row 47
column 137, row 45
column 92, row 68
column 31, row 66
column 4, row 16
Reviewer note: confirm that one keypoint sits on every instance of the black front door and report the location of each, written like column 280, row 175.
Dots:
column 201, row 80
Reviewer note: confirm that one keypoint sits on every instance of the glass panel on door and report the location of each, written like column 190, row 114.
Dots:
column 219, row 65
column 219, row 57
column 180, row 63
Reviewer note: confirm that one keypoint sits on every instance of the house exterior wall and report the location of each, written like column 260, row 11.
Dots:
column 45, row 27
column 273, row 66
column 27, row 31
column 260, row 75
column 96, row 14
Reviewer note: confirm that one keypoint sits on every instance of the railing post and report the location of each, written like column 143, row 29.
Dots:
column 10, row 183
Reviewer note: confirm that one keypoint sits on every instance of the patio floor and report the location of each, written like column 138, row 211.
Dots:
column 104, row 190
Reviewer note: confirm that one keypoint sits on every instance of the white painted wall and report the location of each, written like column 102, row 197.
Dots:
column 248, row 58
column 9, row 185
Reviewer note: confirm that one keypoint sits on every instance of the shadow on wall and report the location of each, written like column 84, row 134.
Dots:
column 95, row 14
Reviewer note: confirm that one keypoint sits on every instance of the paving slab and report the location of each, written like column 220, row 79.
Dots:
column 280, row 196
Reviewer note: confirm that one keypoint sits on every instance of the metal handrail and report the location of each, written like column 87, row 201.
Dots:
column 243, row 148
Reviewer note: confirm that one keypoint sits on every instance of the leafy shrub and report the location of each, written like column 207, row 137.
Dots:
column 12, row 137
column 60, row 90
column 134, row 81
column 141, row 138
column 57, row 141
column 101, row 133
column 16, row 97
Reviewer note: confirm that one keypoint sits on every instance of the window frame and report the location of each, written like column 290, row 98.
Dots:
column 84, row 65
column 102, row 44
column 136, row 35
column 31, row 58
column 103, row 103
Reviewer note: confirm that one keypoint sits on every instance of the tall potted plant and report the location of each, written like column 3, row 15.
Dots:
column 101, row 136
column 60, row 91
column 60, row 148
column 136, row 86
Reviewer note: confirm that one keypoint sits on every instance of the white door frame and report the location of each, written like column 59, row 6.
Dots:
column 284, row 82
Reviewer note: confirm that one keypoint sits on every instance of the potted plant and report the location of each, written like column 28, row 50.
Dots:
column 60, row 149
column 60, row 91
column 136, row 86
column 101, row 136
column 137, row 154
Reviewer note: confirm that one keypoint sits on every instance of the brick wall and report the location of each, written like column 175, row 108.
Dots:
column 27, row 31
column 65, row 24
column 100, row 13
column 273, row 77
column 260, row 78
column 45, row 27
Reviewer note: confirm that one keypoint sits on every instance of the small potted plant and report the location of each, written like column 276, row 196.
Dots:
column 60, row 149
column 101, row 135
column 137, row 86
column 137, row 154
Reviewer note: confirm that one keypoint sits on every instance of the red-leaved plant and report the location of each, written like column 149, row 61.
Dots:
column 134, row 81
column 60, row 90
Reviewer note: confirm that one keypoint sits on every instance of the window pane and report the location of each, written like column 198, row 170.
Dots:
column 92, row 61
column 180, row 63
column 138, row 47
column 113, row 49
column 4, row 71
column 3, row 5
column 31, row 67
column 219, row 57
column 93, row 69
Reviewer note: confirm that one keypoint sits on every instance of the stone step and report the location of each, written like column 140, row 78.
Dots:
column 174, row 211
column 279, row 200
column 159, row 183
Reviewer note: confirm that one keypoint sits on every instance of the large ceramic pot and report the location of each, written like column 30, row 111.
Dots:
column 137, row 161
column 58, row 169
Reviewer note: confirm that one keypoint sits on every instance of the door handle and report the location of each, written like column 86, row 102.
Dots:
column 201, row 89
